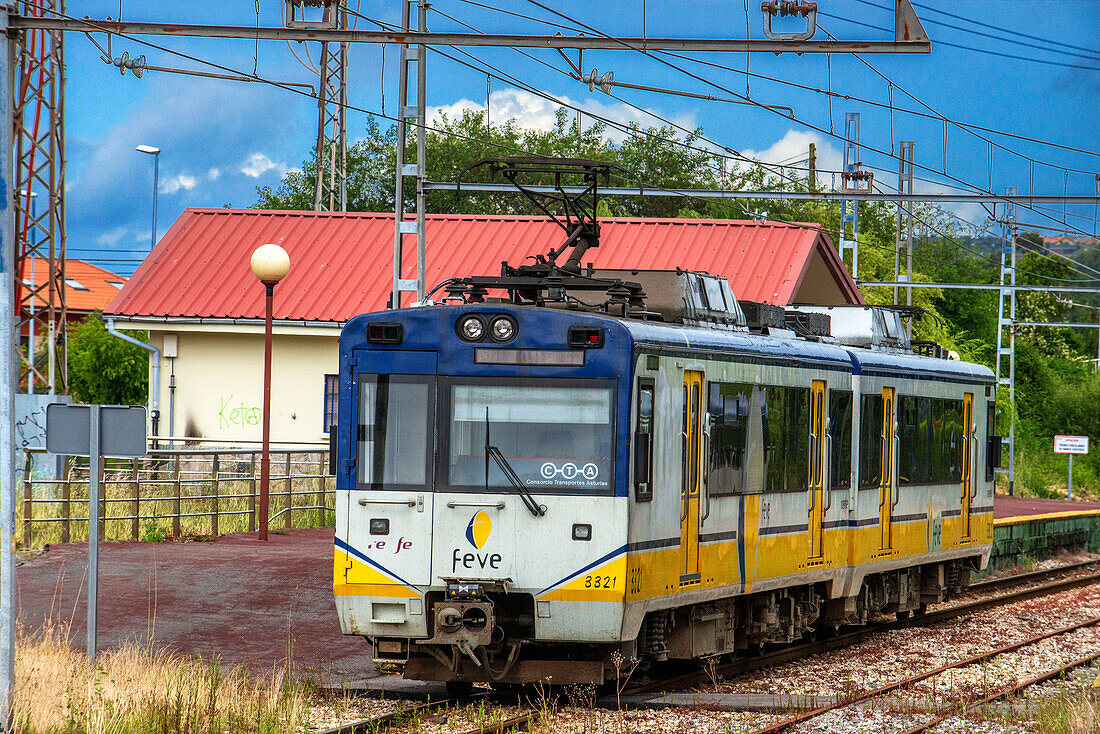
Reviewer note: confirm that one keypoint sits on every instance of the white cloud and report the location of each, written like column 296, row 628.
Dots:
column 257, row 164
column 534, row 112
column 794, row 146
column 177, row 183
column 213, row 174
column 112, row 237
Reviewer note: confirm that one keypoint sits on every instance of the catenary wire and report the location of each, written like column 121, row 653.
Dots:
column 810, row 125
column 613, row 123
column 937, row 116
column 1091, row 54
column 304, row 93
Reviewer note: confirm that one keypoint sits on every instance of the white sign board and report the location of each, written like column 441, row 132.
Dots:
column 1071, row 444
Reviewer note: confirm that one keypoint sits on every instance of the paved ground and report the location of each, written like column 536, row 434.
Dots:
column 236, row 597
column 1005, row 506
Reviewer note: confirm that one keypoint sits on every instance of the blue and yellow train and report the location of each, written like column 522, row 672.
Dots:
column 527, row 486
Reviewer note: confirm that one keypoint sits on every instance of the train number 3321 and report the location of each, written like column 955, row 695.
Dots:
column 600, row 582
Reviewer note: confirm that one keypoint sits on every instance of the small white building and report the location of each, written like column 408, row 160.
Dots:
column 204, row 309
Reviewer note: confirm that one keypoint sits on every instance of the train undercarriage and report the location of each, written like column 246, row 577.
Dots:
column 489, row 638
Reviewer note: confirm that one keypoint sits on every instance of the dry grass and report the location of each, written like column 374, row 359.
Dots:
column 138, row 690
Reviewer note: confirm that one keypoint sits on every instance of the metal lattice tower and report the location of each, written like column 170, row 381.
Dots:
column 1006, row 329
column 416, row 114
column 332, row 142
column 904, row 237
column 850, row 176
column 39, row 131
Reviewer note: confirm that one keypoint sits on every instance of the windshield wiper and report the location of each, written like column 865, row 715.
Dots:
column 509, row 473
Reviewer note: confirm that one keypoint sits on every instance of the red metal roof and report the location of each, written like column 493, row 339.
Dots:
column 342, row 263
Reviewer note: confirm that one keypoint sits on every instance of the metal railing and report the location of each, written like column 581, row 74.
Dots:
column 178, row 493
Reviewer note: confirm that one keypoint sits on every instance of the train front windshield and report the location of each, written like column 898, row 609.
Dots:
column 552, row 437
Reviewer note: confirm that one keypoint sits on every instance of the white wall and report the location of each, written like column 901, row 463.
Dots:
column 219, row 382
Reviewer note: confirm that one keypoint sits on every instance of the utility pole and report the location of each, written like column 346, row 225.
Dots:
column 1006, row 330
column 8, row 372
column 417, row 113
column 330, row 193
column 813, row 166
column 39, row 130
column 904, row 239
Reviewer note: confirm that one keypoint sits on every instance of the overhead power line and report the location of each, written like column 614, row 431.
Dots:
column 714, row 84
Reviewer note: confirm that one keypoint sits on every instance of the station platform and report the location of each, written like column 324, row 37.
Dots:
column 1005, row 507
column 1029, row 529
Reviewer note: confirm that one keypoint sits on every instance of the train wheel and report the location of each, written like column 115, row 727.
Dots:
column 459, row 689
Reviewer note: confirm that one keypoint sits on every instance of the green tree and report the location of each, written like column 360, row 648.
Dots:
column 104, row 369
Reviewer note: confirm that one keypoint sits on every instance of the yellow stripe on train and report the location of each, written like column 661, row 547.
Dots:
column 365, row 580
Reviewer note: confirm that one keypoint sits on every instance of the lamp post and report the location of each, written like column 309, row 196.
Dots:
column 155, row 152
column 270, row 264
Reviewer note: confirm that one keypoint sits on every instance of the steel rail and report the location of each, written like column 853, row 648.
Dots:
column 890, row 687
column 944, row 714
column 519, row 722
column 817, row 647
column 1018, row 578
column 252, row 33
column 387, row 720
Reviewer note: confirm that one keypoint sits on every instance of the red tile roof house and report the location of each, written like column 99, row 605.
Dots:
column 204, row 309
column 87, row 288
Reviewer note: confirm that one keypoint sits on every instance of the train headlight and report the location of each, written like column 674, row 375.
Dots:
column 471, row 328
column 502, row 329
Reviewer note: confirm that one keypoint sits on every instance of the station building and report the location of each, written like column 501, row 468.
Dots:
column 196, row 295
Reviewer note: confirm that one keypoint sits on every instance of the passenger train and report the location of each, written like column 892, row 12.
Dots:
column 527, row 485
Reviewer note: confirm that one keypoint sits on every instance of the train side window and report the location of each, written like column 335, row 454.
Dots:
column 773, row 413
column 786, row 421
column 870, row 441
column 643, row 443
column 993, row 442
column 840, row 429
column 908, row 440
column 798, row 441
column 728, row 413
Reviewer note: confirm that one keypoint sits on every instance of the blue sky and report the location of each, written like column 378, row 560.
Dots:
column 222, row 139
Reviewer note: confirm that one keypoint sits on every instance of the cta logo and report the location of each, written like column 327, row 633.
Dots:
column 569, row 470
column 477, row 533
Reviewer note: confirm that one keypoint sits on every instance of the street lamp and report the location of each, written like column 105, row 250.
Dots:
column 155, row 152
column 270, row 264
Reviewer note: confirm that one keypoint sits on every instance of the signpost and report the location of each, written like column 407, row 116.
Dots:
column 95, row 431
column 1071, row 445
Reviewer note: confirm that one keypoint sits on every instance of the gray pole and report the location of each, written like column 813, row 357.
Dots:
column 156, row 176
column 93, row 526
column 1069, row 493
column 7, row 392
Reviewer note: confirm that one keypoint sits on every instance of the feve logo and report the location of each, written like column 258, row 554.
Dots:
column 477, row 532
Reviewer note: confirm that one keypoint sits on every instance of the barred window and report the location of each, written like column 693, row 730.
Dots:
column 332, row 392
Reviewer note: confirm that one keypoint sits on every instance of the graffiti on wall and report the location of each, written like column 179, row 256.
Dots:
column 233, row 413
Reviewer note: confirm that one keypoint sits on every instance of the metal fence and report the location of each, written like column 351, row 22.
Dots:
column 178, row 493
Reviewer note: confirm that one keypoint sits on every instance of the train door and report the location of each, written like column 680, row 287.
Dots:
column 689, row 492
column 390, row 507
column 886, row 500
column 967, row 460
column 817, row 473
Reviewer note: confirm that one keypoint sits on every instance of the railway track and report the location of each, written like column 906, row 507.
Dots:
column 521, row 721
column 954, row 708
column 845, row 639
